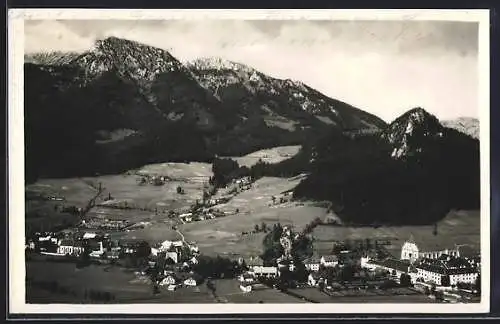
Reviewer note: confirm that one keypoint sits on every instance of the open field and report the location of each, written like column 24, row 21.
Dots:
column 76, row 191
column 125, row 188
column 115, row 281
column 458, row 227
column 273, row 155
column 223, row 235
column 400, row 295
column 228, row 291
column 192, row 171
column 124, row 285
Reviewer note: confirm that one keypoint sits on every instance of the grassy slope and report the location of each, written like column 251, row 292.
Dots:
column 274, row 155
column 458, row 227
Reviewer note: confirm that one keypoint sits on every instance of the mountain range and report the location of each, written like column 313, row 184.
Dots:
column 123, row 104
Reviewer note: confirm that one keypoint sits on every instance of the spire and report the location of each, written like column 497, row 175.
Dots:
column 411, row 240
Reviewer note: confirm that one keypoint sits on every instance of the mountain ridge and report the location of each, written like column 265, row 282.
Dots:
column 124, row 85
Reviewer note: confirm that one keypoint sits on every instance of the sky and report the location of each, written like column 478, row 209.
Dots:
column 382, row 67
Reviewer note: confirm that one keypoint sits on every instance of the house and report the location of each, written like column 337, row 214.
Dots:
column 89, row 236
column 96, row 254
column 409, row 251
column 172, row 255
column 254, row 262
column 172, row 287
column 246, row 277
column 178, row 244
column 135, row 247
column 312, row 264
column 113, row 255
column 246, row 287
column 314, row 279
column 187, row 217
column 70, row 247
column 155, row 251
column 170, row 279
column 265, row 271
column 366, row 264
column 193, row 260
column 30, row 245
column 329, row 260
column 193, row 280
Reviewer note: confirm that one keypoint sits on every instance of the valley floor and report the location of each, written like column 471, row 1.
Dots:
column 149, row 205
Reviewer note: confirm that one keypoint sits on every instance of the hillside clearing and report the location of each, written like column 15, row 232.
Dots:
column 273, row 155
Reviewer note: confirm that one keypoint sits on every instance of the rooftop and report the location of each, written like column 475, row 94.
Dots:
column 456, row 266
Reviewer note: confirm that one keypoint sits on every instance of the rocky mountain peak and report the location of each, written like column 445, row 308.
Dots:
column 140, row 61
column 409, row 131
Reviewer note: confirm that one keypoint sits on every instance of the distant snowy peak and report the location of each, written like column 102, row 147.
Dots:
column 408, row 133
column 466, row 125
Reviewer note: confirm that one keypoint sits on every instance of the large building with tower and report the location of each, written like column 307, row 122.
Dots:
column 411, row 252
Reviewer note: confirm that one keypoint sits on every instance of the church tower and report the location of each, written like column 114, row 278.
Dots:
column 409, row 250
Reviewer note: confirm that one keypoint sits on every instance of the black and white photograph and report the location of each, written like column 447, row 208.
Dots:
column 249, row 160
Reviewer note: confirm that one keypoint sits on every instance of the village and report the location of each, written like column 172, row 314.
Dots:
column 288, row 262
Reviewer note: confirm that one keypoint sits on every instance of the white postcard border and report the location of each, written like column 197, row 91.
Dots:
column 16, row 19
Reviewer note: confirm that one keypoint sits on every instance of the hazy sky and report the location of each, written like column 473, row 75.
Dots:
column 381, row 67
